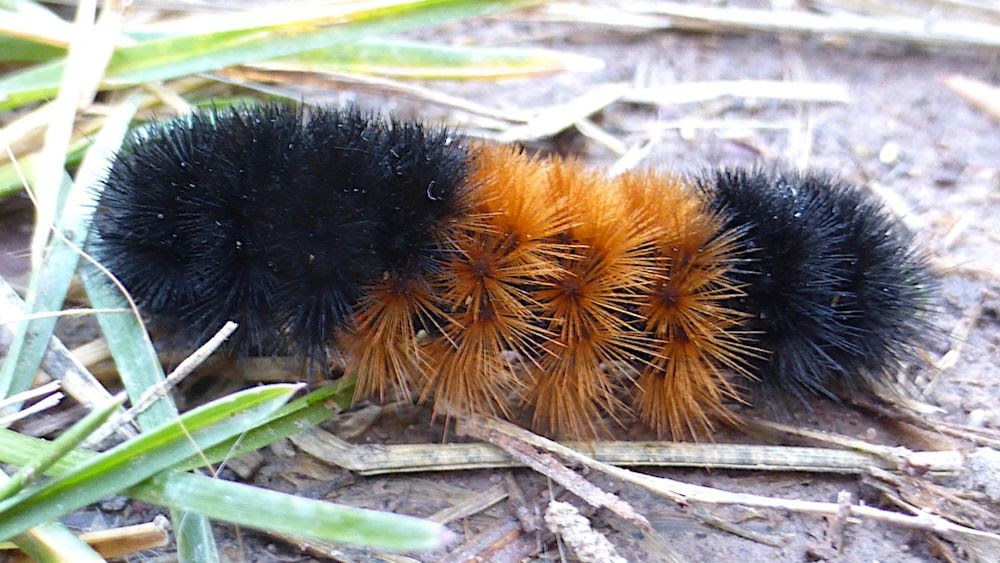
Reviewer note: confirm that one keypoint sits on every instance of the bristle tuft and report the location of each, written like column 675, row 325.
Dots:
column 496, row 254
column 590, row 307
column 833, row 291
column 685, row 385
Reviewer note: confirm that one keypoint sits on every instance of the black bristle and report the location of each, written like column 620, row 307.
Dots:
column 886, row 285
column 833, row 292
column 276, row 221
column 426, row 172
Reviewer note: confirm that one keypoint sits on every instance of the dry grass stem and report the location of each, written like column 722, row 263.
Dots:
column 980, row 94
column 114, row 542
column 79, row 73
column 698, row 92
column 545, row 122
column 473, row 504
column 80, row 312
column 58, row 363
column 92, row 353
column 714, row 521
column 896, row 456
column 594, row 132
column 54, row 422
column 25, row 129
column 404, row 458
column 35, row 408
column 959, row 337
column 717, row 19
column 372, row 84
column 42, row 390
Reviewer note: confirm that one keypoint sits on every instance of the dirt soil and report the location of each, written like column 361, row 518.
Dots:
column 903, row 134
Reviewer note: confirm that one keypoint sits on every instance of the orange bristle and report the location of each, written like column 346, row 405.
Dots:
column 684, row 387
column 382, row 349
column 591, row 307
column 498, row 253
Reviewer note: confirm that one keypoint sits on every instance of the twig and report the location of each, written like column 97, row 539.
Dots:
column 981, row 436
column 480, row 547
column 935, row 498
column 685, row 493
column 524, row 514
column 161, row 389
column 837, row 525
column 547, row 465
column 896, row 493
column 959, row 337
column 507, row 541
column 185, row 368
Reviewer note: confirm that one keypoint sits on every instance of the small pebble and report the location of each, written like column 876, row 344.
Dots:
column 978, row 418
column 115, row 503
column 889, row 153
column 983, row 470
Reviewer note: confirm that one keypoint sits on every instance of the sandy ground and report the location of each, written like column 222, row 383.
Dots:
column 902, row 133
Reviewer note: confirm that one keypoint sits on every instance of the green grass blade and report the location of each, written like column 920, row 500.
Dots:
column 49, row 284
column 18, row 449
column 195, row 541
column 66, row 442
column 411, row 59
column 283, row 513
column 46, row 292
column 251, row 506
column 140, row 370
column 141, row 457
column 10, row 179
column 51, row 541
column 19, row 50
column 162, row 59
column 130, row 347
column 290, row 419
